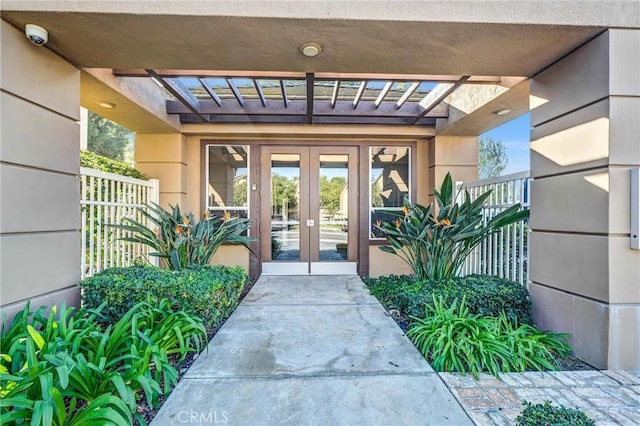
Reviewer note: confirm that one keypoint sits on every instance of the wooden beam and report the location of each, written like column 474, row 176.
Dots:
column 288, row 119
column 334, row 95
column 139, row 72
column 310, row 96
column 235, row 91
column 407, row 94
column 244, row 118
column 180, row 92
column 283, row 89
column 383, row 93
column 356, row 99
column 438, row 98
column 365, row 109
column 256, row 84
column 211, row 92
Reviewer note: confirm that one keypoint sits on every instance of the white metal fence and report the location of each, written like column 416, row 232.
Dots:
column 506, row 253
column 105, row 199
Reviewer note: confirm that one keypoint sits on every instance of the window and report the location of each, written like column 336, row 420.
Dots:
column 228, row 180
column 390, row 180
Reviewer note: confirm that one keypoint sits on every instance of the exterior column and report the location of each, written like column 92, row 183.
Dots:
column 39, row 187
column 585, row 139
column 457, row 155
column 164, row 157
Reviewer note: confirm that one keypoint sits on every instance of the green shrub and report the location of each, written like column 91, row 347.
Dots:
column 94, row 161
column 451, row 338
column 486, row 295
column 67, row 369
column 179, row 240
column 211, row 292
column 546, row 414
column 436, row 244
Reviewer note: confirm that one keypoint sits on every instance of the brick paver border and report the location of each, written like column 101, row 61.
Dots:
column 609, row 397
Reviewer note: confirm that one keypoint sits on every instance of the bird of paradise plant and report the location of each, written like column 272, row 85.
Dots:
column 435, row 242
column 179, row 240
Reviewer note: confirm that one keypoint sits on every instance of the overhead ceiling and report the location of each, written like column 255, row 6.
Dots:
column 107, row 40
column 416, row 50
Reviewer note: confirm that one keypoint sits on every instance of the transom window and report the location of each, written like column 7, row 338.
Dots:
column 390, row 183
column 227, row 188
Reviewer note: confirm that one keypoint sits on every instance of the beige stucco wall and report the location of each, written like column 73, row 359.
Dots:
column 381, row 263
column 39, row 188
column 457, row 155
column 164, row 157
column 585, row 278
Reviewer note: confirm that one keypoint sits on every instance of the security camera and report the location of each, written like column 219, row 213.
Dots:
column 36, row 34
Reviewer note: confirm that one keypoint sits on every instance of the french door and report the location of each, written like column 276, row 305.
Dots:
column 308, row 210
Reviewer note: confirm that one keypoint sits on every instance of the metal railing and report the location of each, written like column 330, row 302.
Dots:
column 106, row 198
column 506, row 253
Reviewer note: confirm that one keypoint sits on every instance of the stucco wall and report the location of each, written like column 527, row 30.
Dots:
column 585, row 278
column 39, row 163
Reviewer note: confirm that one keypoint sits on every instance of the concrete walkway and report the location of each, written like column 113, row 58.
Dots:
column 311, row 351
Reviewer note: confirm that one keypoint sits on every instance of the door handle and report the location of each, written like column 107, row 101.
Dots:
column 310, row 223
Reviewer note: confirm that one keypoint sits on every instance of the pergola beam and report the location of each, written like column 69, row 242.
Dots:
column 180, row 92
column 283, row 89
column 334, row 95
column 359, row 93
column 321, row 108
column 235, row 91
column 383, row 93
column 256, row 84
column 407, row 94
column 310, row 97
column 429, row 102
column 211, row 92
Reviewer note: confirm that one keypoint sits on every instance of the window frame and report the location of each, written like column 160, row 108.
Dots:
column 410, row 185
column 208, row 208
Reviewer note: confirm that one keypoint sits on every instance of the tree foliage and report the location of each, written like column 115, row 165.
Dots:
column 284, row 190
column 493, row 158
column 330, row 191
column 109, row 139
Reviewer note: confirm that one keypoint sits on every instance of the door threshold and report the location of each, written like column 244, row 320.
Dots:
column 312, row 268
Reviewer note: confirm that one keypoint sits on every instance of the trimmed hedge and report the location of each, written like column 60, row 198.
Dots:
column 94, row 161
column 211, row 292
column 486, row 295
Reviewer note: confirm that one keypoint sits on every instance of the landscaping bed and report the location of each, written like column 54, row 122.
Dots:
column 117, row 358
column 409, row 301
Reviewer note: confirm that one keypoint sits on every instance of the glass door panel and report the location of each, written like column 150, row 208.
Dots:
column 308, row 210
column 285, row 207
column 334, row 207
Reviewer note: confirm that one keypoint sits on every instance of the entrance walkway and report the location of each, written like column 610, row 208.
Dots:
column 311, row 350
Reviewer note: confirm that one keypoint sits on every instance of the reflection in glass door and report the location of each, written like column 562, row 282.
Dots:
column 334, row 207
column 285, row 202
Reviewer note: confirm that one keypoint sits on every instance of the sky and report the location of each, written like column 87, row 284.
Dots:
column 514, row 135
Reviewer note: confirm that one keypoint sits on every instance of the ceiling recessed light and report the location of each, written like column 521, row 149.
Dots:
column 310, row 49
column 503, row 111
column 107, row 105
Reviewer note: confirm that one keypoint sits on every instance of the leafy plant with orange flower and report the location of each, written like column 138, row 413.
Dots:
column 179, row 240
column 436, row 239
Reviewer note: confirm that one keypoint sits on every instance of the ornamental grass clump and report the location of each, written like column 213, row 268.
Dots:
column 179, row 240
column 454, row 340
column 65, row 368
column 436, row 242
